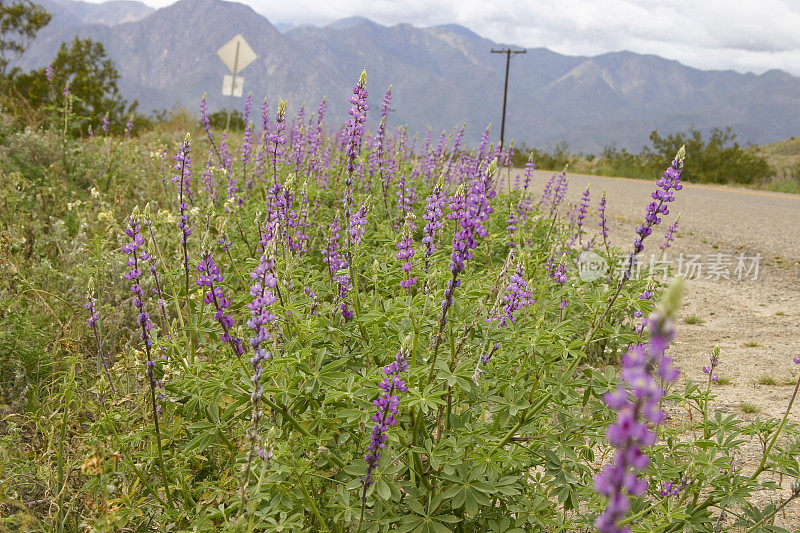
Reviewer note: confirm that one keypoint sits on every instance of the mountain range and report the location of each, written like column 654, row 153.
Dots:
column 442, row 76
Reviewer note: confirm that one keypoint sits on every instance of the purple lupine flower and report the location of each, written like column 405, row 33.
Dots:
column 482, row 150
column 247, row 146
column 405, row 252
column 248, row 106
column 601, row 211
column 275, row 139
column 645, row 372
column 523, row 184
column 484, row 360
column 547, row 193
column 337, row 266
column 205, row 117
column 128, row 128
column 668, row 488
column 357, row 223
column 183, row 167
column 264, row 282
column 265, row 115
column 313, row 295
column 646, row 295
column 224, row 242
column 209, row 274
column 427, row 142
column 557, row 271
column 669, row 183
column 559, row 189
column 432, row 157
column 48, row 73
column 714, row 362
column 511, row 226
column 438, row 156
column 665, row 194
column 94, row 316
column 135, row 252
column 471, row 216
column 206, row 121
column 377, row 160
column 281, row 209
column 315, row 139
column 104, row 124
column 580, row 216
column 517, row 297
column 434, row 211
column 355, row 126
column 525, row 204
column 405, row 195
column 507, row 156
column 669, row 236
column 385, row 417
column 454, row 154
column 154, row 268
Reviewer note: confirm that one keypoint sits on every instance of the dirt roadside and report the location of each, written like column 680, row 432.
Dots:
column 756, row 322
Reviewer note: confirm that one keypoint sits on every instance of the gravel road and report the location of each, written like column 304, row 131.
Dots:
column 727, row 216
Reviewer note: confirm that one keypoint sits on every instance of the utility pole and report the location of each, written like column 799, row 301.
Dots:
column 507, row 52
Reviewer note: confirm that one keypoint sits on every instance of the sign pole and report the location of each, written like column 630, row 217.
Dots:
column 233, row 86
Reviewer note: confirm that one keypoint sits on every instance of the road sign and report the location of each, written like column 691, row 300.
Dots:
column 231, row 87
column 236, row 54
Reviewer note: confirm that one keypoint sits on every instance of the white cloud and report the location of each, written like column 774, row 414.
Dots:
column 710, row 34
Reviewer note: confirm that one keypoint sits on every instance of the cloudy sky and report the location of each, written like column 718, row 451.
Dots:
column 744, row 35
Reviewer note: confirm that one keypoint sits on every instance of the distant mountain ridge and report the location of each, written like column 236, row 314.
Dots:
column 442, row 76
column 109, row 13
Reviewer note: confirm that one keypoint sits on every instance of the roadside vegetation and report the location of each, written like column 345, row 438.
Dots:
column 719, row 159
column 314, row 326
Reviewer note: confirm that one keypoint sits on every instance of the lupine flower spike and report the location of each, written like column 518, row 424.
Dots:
column 355, row 126
column 646, row 370
column 580, row 216
column 261, row 323
column 209, row 275
column 406, row 252
column 135, row 250
column 713, row 363
column 385, row 417
column 434, row 211
column 669, row 236
column 94, row 316
column 183, row 169
column 601, row 212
